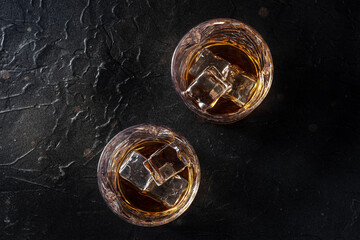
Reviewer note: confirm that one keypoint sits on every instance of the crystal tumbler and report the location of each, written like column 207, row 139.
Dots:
column 222, row 69
column 148, row 175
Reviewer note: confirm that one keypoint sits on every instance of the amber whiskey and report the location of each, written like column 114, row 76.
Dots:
column 143, row 200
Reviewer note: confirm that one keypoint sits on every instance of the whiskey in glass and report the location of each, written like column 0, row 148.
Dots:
column 148, row 175
column 222, row 69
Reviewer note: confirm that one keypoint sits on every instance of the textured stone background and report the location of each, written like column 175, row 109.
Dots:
column 74, row 73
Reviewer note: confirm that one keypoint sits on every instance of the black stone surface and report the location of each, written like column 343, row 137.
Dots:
column 74, row 73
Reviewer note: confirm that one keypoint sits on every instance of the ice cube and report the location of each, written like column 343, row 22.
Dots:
column 170, row 191
column 206, row 58
column 207, row 88
column 242, row 85
column 134, row 171
column 165, row 163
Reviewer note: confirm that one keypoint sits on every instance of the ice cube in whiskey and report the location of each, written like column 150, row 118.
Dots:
column 165, row 163
column 133, row 170
column 207, row 88
column 242, row 85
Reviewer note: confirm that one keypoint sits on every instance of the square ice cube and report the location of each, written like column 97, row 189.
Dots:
column 165, row 163
column 134, row 171
column 242, row 85
column 206, row 58
column 207, row 88
column 170, row 191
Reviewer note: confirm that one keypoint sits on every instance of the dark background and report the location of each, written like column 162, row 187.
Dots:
column 75, row 73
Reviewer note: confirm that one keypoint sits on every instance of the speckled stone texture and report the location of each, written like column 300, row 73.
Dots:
column 74, row 73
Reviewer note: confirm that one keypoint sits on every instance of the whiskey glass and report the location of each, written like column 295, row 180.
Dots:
column 148, row 175
column 222, row 69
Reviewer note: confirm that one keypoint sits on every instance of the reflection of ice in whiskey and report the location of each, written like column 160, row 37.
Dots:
column 221, row 78
column 141, row 191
